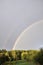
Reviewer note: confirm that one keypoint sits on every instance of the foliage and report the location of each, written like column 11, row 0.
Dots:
column 39, row 57
column 12, row 55
column 15, row 55
column 18, row 53
column 19, row 62
column 3, row 58
column 24, row 55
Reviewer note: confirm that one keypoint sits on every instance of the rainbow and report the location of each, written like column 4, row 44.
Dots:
column 28, row 28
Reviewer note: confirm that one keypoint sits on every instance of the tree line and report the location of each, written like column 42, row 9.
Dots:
column 28, row 55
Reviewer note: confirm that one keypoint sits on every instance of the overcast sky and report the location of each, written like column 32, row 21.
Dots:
column 15, row 16
column 31, row 38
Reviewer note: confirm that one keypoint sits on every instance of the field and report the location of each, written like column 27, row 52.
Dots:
column 20, row 62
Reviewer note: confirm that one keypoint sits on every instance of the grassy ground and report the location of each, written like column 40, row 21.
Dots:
column 21, row 62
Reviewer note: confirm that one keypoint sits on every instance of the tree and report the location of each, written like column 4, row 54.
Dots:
column 39, row 57
column 3, row 58
column 18, row 53
column 12, row 55
column 24, row 55
column 31, row 54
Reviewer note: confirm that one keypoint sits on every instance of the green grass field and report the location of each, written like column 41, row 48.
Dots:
column 20, row 62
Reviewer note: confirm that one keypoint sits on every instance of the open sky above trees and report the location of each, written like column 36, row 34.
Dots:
column 15, row 16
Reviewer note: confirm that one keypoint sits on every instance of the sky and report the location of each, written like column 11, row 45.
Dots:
column 15, row 16
column 30, row 38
